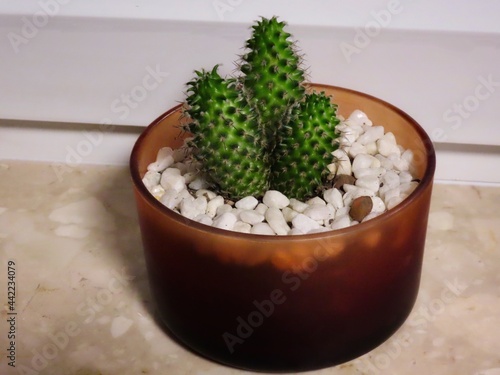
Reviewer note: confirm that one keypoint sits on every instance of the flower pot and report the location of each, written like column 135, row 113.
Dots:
column 286, row 303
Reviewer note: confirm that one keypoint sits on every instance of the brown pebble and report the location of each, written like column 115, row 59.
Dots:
column 361, row 207
column 341, row 179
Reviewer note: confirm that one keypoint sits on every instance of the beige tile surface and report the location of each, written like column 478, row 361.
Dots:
column 83, row 304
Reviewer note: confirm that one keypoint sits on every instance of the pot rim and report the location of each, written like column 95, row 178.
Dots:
column 426, row 180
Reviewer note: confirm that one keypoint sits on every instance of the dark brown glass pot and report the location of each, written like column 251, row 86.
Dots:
column 286, row 303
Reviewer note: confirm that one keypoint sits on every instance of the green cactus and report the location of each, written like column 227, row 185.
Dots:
column 304, row 148
column 262, row 131
column 272, row 75
column 227, row 138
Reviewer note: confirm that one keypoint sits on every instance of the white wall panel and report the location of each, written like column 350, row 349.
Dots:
column 126, row 61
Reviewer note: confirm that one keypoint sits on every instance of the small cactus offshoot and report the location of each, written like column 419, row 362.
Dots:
column 273, row 79
column 261, row 130
column 304, row 147
column 227, row 140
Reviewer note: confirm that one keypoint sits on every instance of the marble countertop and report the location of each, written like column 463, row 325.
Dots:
column 84, row 308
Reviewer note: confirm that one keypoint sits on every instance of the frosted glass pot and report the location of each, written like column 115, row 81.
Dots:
column 286, row 303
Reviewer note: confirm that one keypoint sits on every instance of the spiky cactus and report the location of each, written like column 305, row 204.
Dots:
column 272, row 75
column 304, row 147
column 261, row 130
column 227, row 138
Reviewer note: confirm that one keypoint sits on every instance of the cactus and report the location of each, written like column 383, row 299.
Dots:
column 272, row 76
column 304, row 148
column 262, row 130
column 227, row 139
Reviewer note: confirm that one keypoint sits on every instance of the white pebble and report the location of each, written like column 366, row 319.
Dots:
column 332, row 168
column 213, row 205
column 224, row 209
column 171, row 171
column 251, row 217
column 164, row 159
column 363, row 161
column 242, row 227
column 408, row 187
column 384, row 162
column 341, row 222
column 378, row 172
column 343, row 162
column 348, row 137
column 370, row 216
column 378, row 205
column 372, row 134
column 304, row 223
column 316, row 200
column 318, row 212
column 225, row 221
column 333, row 196
column 275, row 199
column 356, row 149
column 359, row 118
column 356, row 191
column 262, row 228
column 348, row 197
column 390, row 180
column 247, row 203
column 297, row 205
column 405, row 177
column 157, row 191
column 276, row 221
column 394, row 201
column 190, row 177
column 173, row 181
column 261, row 209
column 204, row 219
column 399, row 163
column 392, row 193
column 151, row 179
column 295, row 231
column 289, row 214
column 183, row 168
column 332, row 212
column 188, row 209
column 171, row 198
column 387, row 145
column 408, row 156
column 206, row 193
column 342, row 211
column 198, row 183
column 201, row 203
column 371, row 148
column 368, row 182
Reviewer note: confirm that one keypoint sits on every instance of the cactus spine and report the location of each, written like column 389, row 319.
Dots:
column 304, row 147
column 272, row 75
column 261, row 130
column 227, row 138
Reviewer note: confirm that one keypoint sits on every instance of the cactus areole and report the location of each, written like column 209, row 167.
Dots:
column 261, row 130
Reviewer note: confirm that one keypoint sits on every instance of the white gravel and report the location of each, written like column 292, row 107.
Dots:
column 381, row 168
